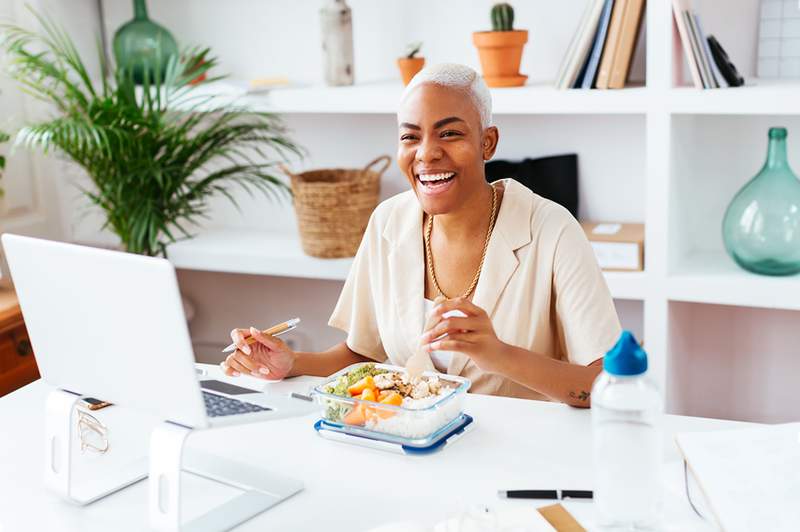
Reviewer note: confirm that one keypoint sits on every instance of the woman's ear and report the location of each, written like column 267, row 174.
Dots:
column 491, row 136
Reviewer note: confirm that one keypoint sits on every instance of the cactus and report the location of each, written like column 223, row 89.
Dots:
column 413, row 49
column 502, row 17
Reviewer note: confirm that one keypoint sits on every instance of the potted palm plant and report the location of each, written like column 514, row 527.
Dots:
column 410, row 64
column 154, row 154
column 500, row 50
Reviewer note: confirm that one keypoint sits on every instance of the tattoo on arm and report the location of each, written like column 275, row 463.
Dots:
column 582, row 396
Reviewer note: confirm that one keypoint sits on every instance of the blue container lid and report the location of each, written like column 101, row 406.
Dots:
column 626, row 357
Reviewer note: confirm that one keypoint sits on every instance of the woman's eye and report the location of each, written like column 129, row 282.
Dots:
column 407, row 137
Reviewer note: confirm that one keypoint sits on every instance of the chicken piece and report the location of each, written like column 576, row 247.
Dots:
column 420, row 390
column 384, row 381
column 434, row 385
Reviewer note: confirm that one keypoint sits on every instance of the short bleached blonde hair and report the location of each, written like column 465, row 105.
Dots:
column 460, row 77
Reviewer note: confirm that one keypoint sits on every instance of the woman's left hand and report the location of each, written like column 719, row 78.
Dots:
column 473, row 336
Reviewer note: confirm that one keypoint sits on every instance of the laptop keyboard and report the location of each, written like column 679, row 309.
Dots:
column 219, row 405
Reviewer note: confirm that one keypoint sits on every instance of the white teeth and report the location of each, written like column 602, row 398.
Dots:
column 436, row 177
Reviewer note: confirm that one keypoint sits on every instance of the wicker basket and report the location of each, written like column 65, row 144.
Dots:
column 334, row 205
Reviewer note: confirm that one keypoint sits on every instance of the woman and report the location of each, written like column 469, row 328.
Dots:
column 538, row 316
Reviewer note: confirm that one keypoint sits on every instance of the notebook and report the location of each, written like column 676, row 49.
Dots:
column 750, row 477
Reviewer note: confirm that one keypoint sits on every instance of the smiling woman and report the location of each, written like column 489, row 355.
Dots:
column 526, row 310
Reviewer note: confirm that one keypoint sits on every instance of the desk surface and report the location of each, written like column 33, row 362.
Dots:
column 515, row 444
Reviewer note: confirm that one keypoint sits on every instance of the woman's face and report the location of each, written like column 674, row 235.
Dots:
column 442, row 147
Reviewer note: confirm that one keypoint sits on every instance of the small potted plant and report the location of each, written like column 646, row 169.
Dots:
column 500, row 50
column 410, row 64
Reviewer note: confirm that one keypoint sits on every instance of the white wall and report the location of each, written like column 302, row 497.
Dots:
column 734, row 362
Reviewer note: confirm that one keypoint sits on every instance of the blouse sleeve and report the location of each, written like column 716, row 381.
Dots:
column 355, row 312
column 587, row 319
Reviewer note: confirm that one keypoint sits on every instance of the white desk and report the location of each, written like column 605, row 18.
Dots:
column 515, row 444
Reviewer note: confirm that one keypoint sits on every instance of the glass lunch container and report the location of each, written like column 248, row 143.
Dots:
column 383, row 420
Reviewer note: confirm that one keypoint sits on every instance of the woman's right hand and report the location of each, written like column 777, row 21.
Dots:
column 267, row 358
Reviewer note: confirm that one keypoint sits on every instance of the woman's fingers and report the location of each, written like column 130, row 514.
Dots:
column 450, row 326
column 227, row 370
column 236, row 366
column 244, row 363
column 458, row 342
column 269, row 341
column 460, row 303
column 239, row 338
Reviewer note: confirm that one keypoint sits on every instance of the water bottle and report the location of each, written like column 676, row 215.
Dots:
column 627, row 443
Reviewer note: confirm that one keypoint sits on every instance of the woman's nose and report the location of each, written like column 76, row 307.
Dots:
column 428, row 150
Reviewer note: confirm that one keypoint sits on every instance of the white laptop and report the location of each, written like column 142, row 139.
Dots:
column 110, row 325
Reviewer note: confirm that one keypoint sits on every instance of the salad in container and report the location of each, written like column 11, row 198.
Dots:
column 381, row 400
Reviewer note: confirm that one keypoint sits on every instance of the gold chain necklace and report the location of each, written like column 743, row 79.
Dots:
column 429, row 254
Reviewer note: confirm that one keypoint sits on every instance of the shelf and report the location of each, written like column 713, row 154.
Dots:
column 627, row 285
column 254, row 252
column 713, row 277
column 759, row 97
column 383, row 98
column 264, row 253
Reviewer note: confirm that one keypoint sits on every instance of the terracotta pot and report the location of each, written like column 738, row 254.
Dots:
column 501, row 53
column 409, row 67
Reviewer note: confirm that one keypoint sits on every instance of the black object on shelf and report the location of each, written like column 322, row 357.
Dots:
column 726, row 68
column 554, row 177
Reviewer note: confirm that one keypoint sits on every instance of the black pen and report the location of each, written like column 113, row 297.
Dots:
column 545, row 494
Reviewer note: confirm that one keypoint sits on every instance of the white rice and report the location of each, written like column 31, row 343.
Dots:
column 416, row 422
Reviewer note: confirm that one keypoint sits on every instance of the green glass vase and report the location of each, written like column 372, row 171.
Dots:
column 761, row 228
column 143, row 47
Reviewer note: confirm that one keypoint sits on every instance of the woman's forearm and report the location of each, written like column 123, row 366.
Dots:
column 562, row 381
column 327, row 362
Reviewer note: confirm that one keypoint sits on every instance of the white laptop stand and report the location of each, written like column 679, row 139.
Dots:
column 262, row 489
column 62, row 454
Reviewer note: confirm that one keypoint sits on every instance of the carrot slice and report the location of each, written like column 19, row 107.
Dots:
column 393, row 398
column 368, row 395
column 360, row 386
column 356, row 416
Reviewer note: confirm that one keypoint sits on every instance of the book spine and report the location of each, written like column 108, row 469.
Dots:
column 597, row 48
column 572, row 48
column 583, row 44
column 627, row 44
column 686, row 44
column 715, row 73
column 695, row 45
column 610, row 48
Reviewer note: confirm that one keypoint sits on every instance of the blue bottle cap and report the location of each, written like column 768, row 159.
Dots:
column 626, row 357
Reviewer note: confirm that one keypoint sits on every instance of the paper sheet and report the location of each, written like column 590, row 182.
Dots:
column 750, row 477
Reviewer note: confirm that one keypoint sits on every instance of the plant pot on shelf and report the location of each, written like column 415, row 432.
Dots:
column 333, row 207
column 409, row 66
column 500, row 54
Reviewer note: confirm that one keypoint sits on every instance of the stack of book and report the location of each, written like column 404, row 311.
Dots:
column 601, row 50
column 704, row 71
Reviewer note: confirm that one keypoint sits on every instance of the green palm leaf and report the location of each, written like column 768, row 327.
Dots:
column 155, row 153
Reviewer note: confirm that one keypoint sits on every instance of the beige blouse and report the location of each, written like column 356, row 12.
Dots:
column 540, row 285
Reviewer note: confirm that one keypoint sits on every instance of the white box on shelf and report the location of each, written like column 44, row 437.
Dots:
column 617, row 246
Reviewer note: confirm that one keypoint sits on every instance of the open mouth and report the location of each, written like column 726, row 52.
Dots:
column 437, row 182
